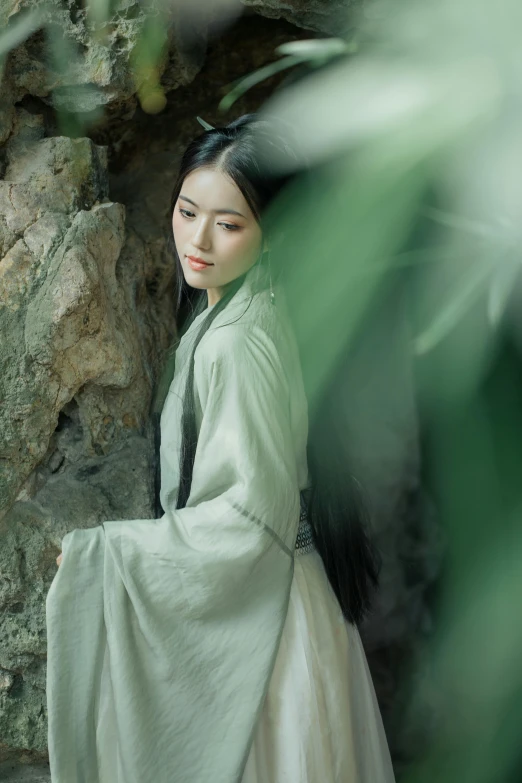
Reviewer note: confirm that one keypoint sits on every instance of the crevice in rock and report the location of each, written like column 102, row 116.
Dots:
column 76, row 12
column 35, row 106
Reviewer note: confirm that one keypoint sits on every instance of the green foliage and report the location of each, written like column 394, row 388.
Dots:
column 314, row 53
column 24, row 24
column 409, row 157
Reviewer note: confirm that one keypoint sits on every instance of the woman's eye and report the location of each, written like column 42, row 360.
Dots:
column 227, row 226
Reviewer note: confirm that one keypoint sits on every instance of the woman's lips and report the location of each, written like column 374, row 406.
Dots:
column 197, row 264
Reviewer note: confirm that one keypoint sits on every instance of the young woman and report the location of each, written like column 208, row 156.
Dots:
column 219, row 642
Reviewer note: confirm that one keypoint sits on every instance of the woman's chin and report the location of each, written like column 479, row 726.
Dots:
column 195, row 280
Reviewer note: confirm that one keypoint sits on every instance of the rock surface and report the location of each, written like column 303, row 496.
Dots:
column 11, row 772
column 330, row 18
column 74, row 386
column 100, row 73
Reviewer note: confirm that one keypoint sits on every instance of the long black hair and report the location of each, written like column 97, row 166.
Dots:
column 336, row 508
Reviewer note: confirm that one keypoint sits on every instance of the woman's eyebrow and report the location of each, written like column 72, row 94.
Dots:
column 217, row 211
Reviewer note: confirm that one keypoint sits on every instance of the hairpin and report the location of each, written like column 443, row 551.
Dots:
column 205, row 124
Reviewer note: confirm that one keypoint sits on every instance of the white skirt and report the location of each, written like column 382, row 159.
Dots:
column 320, row 722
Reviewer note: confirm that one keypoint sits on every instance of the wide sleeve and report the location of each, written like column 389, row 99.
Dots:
column 244, row 495
column 186, row 619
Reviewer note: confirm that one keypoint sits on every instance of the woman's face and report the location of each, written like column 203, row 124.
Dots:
column 212, row 221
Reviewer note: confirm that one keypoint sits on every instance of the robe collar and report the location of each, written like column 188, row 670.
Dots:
column 256, row 281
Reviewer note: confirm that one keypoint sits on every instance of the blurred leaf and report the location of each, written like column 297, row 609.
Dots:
column 149, row 51
column 65, row 67
column 431, row 106
column 501, row 289
column 316, row 47
column 460, row 223
column 476, row 669
column 312, row 51
column 256, row 77
column 18, row 30
column 99, row 13
column 334, row 268
column 467, row 290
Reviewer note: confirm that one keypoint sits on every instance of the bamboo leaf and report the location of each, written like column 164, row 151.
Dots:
column 315, row 52
column 99, row 11
column 466, row 292
column 146, row 57
column 256, row 77
column 310, row 48
column 460, row 223
column 500, row 290
column 21, row 28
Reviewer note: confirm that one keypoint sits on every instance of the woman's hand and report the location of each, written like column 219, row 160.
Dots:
column 59, row 558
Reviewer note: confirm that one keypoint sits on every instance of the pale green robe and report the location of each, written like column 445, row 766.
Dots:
column 162, row 634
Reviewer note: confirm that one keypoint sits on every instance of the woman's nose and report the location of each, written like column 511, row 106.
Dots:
column 201, row 237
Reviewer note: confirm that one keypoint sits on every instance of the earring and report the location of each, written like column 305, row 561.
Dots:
column 272, row 295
